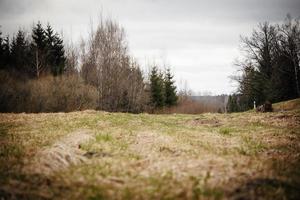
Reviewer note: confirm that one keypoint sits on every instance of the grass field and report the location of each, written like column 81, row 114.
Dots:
column 99, row 155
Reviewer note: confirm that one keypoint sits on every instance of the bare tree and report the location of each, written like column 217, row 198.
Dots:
column 72, row 57
column 290, row 42
column 107, row 65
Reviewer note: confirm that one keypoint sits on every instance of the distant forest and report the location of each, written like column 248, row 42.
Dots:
column 41, row 73
column 269, row 69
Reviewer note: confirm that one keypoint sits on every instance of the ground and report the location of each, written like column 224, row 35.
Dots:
column 100, row 155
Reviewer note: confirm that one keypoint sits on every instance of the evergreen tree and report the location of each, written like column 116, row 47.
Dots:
column 59, row 55
column 283, row 80
column 39, row 49
column 251, row 87
column 6, row 55
column 49, row 33
column 55, row 51
column 19, row 52
column 39, row 37
column 170, row 89
column 157, row 88
column 232, row 105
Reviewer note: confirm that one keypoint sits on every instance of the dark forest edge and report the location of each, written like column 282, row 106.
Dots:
column 40, row 73
column 269, row 69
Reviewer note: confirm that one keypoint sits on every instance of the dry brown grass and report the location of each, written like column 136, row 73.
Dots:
column 59, row 156
column 125, row 156
column 287, row 105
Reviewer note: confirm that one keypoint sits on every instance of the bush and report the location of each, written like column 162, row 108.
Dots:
column 65, row 93
column 47, row 94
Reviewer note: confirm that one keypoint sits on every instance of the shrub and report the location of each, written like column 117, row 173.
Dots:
column 47, row 94
column 65, row 93
column 13, row 94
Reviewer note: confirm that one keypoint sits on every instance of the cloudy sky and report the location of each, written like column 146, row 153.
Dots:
column 199, row 39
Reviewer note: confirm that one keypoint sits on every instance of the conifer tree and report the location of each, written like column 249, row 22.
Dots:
column 39, row 36
column 59, row 55
column 170, row 89
column 157, row 88
column 55, row 51
column 19, row 52
column 232, row 105
column 49, row 33
column 39, row 49
column 6, row 56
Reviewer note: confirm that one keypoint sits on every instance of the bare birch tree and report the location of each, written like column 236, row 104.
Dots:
column 107, row 65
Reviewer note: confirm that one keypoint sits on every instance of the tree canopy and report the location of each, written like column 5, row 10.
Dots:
column 270, row 67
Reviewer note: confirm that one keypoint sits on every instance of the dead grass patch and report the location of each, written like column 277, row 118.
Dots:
column 204, row 122
column 59, row 156
column 124, row 156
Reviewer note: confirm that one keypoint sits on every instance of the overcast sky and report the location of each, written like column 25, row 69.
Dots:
column 199, row 39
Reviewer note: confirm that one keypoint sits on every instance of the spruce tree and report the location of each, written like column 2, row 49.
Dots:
column 6, row 56
column 170, row 89
column 49, row 33
column 39, row 49
column 39, row 37
column 157, row 88
column 59, row 55
column 19, row 52
column 232, row 105
column 55, row 52
column 4, row 52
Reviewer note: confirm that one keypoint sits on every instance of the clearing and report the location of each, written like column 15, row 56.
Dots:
column 100, row 155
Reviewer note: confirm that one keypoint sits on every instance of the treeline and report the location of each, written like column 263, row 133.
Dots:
column 41, row 53
column 39, row 73
column 269, row 70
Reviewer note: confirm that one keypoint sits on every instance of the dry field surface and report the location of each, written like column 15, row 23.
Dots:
column 99, row 155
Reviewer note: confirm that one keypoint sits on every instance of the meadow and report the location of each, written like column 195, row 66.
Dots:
column 101, row 155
